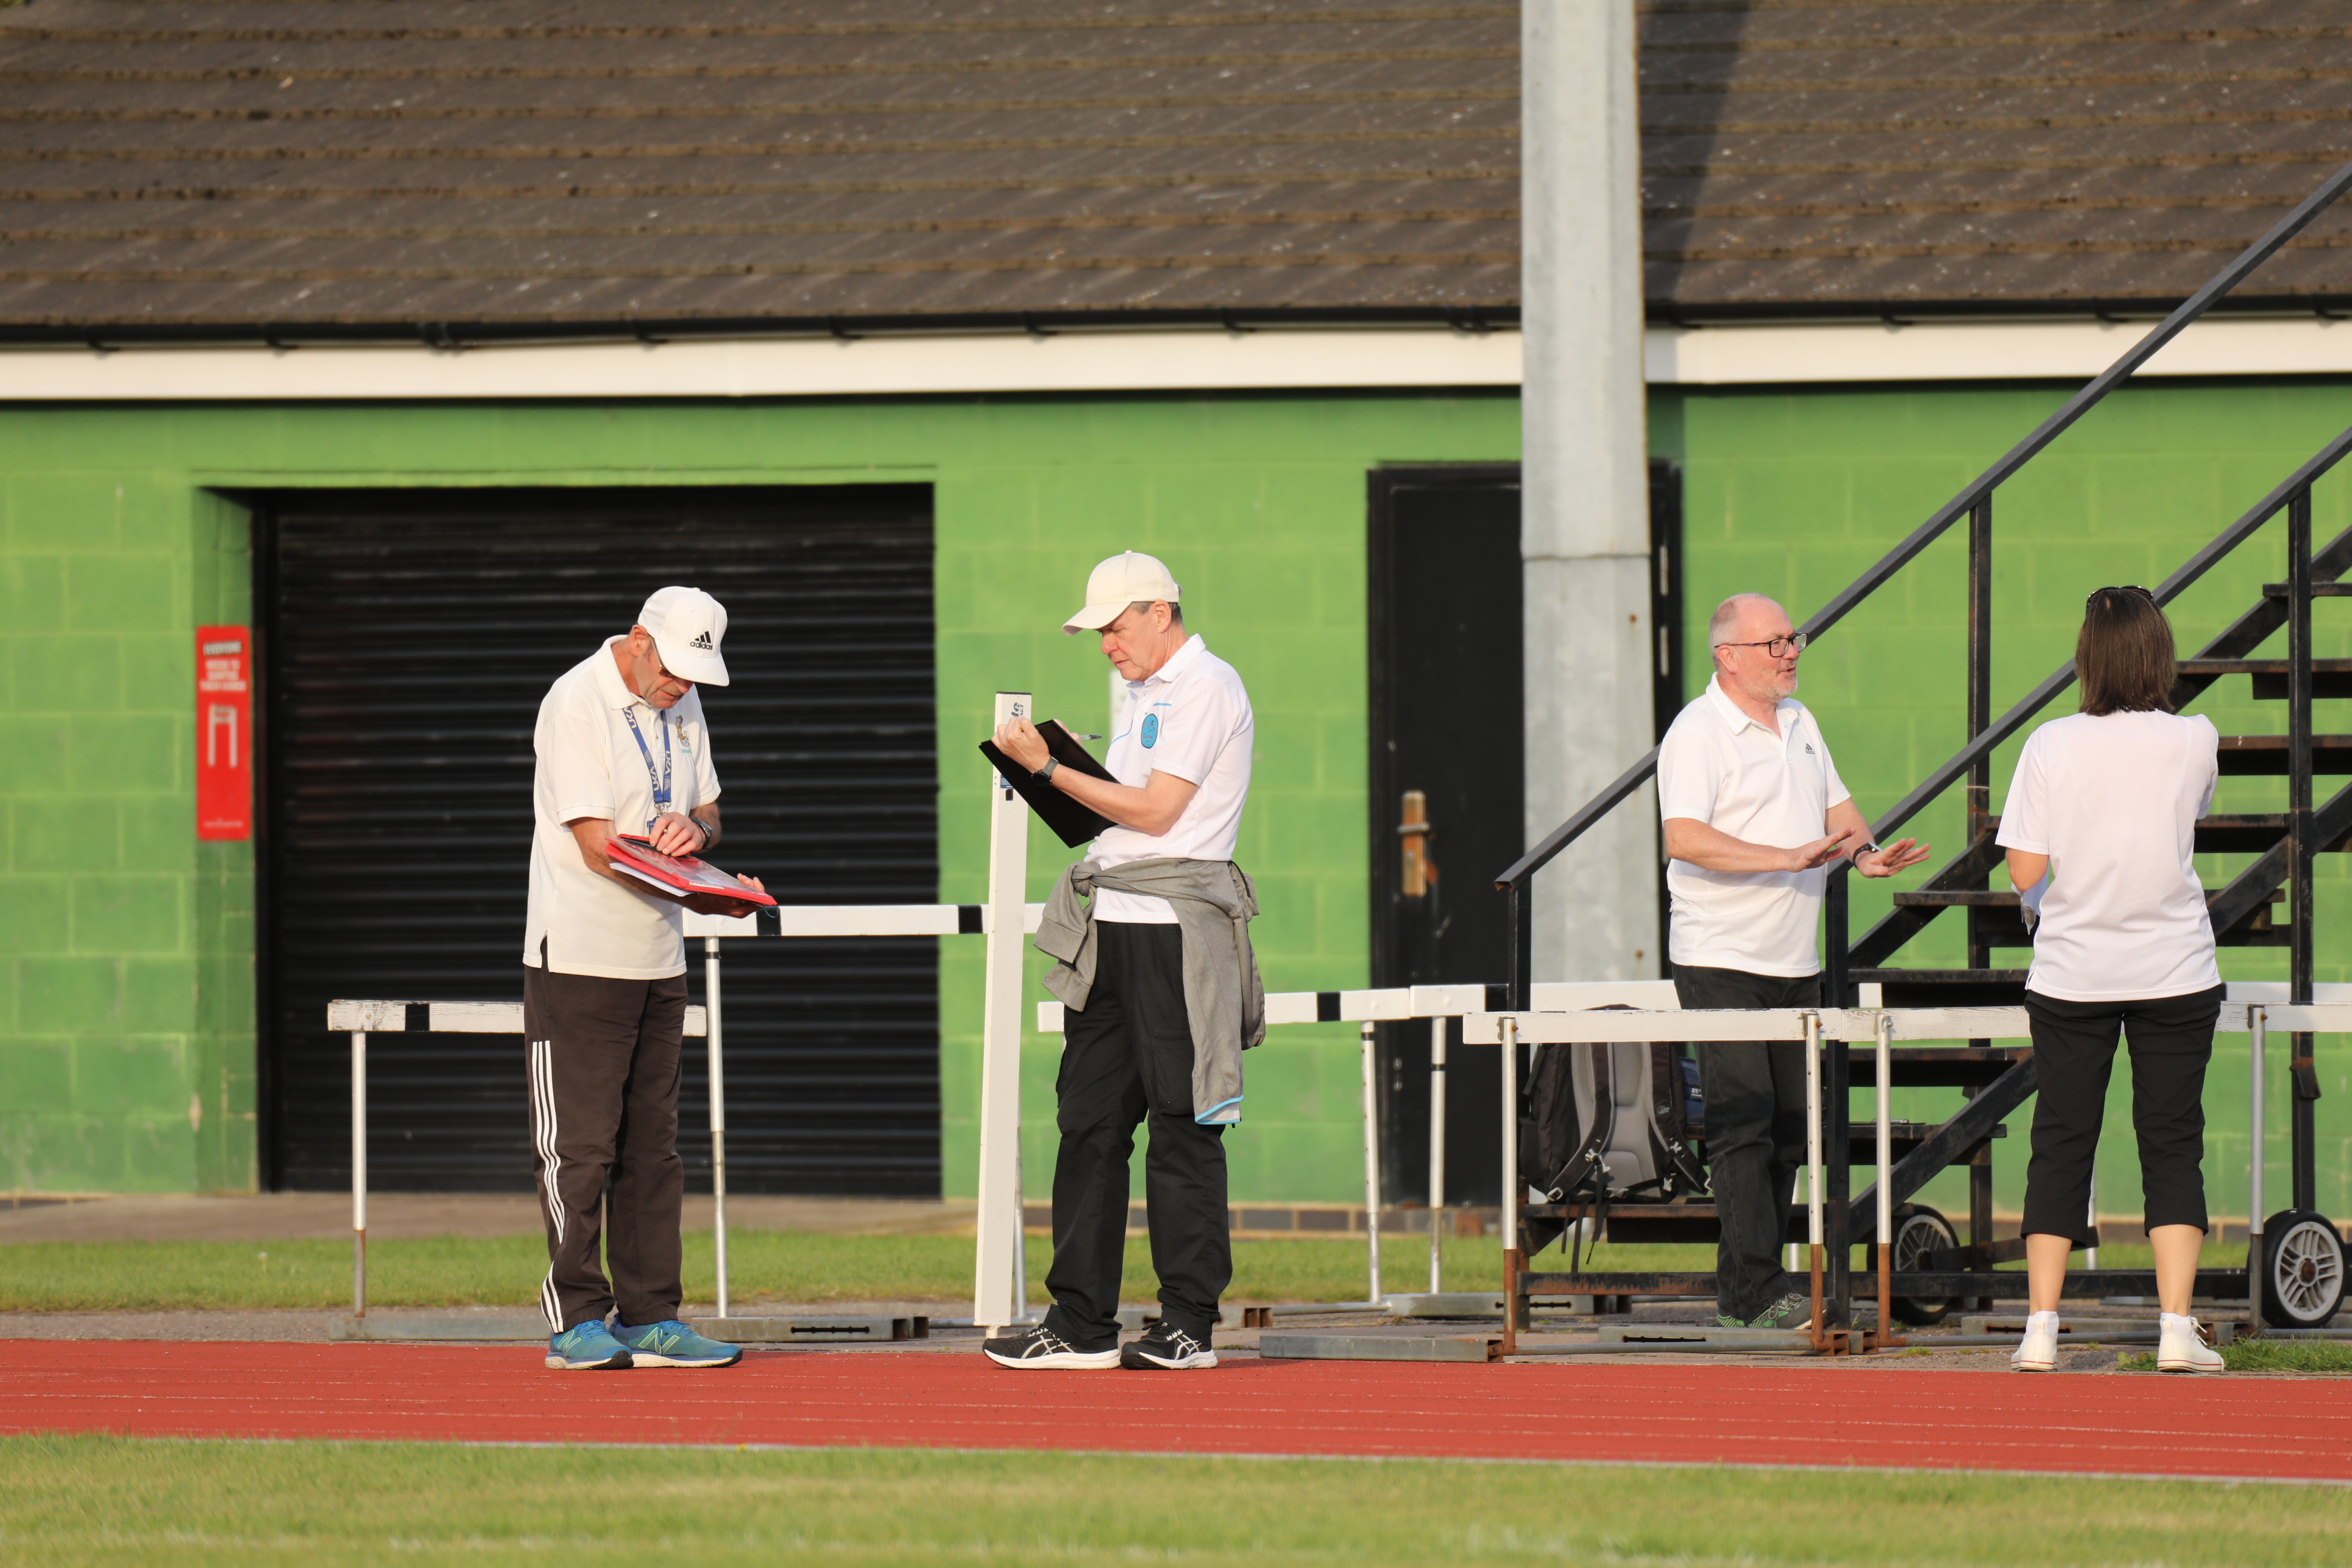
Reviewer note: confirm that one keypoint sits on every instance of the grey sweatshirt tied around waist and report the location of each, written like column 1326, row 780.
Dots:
column 1223, row 994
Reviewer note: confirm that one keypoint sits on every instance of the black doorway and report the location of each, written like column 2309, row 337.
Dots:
column 1445, row 719
column 406, row 640
column 1445, row 714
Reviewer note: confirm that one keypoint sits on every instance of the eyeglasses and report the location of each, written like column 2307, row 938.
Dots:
column 2123, row 588
column 1775, row 647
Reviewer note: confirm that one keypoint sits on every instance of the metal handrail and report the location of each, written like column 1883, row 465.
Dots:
column 1517, row 874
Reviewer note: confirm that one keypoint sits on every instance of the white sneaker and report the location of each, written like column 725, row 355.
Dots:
column 2038, row 1350
column 2185, row 1345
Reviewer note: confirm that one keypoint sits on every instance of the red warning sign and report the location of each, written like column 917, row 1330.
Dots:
column 224, row 733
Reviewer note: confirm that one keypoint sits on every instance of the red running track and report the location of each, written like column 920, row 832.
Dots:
column 2220, row 1426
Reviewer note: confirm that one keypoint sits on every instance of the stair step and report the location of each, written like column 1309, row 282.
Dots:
column 1985, row 898
column 1945, row 988
column 2319, row 590
column 2264, row 757
column 2329, row 677
column 2223, row 833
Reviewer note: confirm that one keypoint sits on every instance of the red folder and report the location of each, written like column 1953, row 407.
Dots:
column 635, row 857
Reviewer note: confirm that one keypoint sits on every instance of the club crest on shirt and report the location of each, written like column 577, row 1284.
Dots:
column 1150, row 729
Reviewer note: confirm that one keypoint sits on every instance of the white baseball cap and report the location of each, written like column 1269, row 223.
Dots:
column 1125, row 579
column 688, row 624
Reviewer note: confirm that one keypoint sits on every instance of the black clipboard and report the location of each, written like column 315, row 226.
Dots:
column 1073, row 822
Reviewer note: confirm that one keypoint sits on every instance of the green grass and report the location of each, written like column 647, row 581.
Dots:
column 770, row 1266
column 774, row 1265
column 114, row 1501
column 2266, row 1355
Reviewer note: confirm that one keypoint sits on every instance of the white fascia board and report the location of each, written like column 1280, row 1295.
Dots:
column 1987, row 351
column 779, row 367
column 1084, row 362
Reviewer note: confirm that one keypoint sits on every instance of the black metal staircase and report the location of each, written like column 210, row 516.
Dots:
column 2267, row 904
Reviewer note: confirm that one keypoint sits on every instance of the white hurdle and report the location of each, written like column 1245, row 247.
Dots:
column 1436, row 1004
column 361, row 1019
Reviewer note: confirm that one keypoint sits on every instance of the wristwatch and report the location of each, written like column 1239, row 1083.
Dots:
column 1046, row 774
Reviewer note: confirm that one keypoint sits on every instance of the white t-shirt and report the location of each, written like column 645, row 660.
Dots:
column 2113, row 799
column 589, row 765
column 1192, row 720
column 1718, row 766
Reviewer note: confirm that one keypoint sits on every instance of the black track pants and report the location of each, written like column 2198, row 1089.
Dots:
column 2171, row 1041
column 602, row 1057
column 1129, row 1053
column 1755, row 1093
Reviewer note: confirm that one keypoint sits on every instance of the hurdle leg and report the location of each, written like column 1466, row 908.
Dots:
column 2258, row 1031
column 1371, row 1161
column 1514, row 1261
column 1436, row 1155
column 1813, row 1165
column 712, row 1052
column 359, row 1173
column 1887, row 1338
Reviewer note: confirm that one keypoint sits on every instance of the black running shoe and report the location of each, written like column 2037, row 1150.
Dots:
column 1164, row 1347
column 1044, row 1348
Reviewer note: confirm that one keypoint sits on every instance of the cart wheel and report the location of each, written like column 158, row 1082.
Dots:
column 2303, row 1270
column 1918, row 1231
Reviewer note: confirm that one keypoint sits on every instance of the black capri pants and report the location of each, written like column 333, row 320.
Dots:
column 2171, row 1040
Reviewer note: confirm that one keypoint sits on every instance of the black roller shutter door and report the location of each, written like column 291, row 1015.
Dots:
column 408, row 638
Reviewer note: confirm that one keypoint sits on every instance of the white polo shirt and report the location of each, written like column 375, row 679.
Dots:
column 1193, row 720
column 590, row 765
column 1718, row 766
column 2113, row 799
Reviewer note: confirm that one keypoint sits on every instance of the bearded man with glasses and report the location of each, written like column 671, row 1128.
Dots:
column 1754, row 814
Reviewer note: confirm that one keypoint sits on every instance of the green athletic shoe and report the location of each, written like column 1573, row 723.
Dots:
column 1790, row 1311
column 671, row 1343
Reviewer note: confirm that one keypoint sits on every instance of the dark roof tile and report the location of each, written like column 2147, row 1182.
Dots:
column 529, row 163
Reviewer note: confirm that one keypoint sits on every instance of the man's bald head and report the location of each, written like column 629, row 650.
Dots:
column 1736, row 618
column 1740, row 634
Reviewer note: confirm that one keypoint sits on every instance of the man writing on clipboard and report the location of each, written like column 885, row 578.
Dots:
column 1162, row 988
column 622, row 749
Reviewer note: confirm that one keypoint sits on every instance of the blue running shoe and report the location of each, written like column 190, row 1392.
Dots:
column 671, row 1343
column 587, row 1347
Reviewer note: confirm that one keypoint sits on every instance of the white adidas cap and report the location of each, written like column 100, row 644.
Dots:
column 1125, row 579
column 688, row 624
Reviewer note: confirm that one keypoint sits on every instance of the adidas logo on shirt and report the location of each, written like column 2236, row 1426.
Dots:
column 701, row 644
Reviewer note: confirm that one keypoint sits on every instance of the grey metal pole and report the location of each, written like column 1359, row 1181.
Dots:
column 359, row 1173
column 1436, row 1155
column 1371, row 1162
column 1584, row 533
column 713, row 1052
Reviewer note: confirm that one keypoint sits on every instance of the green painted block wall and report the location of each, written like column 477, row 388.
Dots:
column 1794, row 492
column 127, row 1040
column 128, row 1050
column 126, row 1034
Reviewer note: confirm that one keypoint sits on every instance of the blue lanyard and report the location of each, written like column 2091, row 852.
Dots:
column 661, row 784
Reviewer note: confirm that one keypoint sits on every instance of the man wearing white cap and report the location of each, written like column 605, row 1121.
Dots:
column 622, row 750
column 1160, row 987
